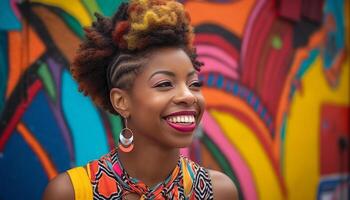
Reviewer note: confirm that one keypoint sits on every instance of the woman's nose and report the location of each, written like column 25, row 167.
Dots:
column 184, row 96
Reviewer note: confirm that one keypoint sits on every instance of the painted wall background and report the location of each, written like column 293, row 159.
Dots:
column 276, row 82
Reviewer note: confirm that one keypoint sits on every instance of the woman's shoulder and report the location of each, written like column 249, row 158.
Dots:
column 223, row 186
column 59, row 188
column 63, row 185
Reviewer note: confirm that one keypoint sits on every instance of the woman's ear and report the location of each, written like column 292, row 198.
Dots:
column 120, row 101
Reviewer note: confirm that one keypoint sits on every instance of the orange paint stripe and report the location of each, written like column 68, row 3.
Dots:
column 25, row 47
column 222, row 14
column 49, row 167
column 15, row 58
column 216, row 97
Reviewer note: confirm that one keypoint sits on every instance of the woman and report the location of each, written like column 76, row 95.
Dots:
column 142, row 66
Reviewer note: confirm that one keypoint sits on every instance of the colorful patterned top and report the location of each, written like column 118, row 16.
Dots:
column 110, row 180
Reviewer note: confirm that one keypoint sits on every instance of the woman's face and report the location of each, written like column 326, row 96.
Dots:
column 166, row 103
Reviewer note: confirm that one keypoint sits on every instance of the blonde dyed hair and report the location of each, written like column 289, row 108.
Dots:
column 145, row 16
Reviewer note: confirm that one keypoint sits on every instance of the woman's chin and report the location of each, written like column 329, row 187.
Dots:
column 185, row 143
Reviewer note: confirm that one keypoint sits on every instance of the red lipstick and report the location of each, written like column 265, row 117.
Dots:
column 184, row 127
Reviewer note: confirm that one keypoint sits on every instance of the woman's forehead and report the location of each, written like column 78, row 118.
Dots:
column 169, row 59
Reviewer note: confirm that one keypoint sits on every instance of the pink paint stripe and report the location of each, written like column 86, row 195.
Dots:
column 249, row 27
column 217, row 53
column 241, row 169
column 15, row 9
column 212, row 65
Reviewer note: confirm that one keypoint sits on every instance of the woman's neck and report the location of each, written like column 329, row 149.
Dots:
column 149, row 163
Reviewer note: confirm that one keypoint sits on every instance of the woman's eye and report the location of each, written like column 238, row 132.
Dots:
column 197, row 84
column 164, row 84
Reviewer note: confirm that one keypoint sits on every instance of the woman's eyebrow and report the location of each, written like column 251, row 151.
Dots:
column 169, row 73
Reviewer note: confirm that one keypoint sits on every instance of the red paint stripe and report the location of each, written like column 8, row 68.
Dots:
column 256, row 44
column 276, row 68
column 246, row 61
column 218, row 41
column 22, row 107
column 259, row 53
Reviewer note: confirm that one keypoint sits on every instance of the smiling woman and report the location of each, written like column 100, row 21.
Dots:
column 142, row 66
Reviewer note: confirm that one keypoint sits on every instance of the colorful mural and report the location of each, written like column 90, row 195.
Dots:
column 276, row 82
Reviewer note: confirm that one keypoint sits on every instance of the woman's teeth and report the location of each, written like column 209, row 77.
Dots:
column 181, row 119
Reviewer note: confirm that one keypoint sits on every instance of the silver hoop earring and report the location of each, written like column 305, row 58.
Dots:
column 126, row 138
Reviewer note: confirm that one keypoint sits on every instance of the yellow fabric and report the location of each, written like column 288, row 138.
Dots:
column 81, row 183
column 88, row 170
column 187, row 180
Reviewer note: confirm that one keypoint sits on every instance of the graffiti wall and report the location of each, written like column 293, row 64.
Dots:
column 276, row 83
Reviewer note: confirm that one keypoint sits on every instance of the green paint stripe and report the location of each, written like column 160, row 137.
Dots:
column 116, row 126
column 73, row 24
column 49, row 84
column 218, row 156
column 282, row 145
column 222, row 161
column 109, row 7
column 277, row 42
column 92, row 7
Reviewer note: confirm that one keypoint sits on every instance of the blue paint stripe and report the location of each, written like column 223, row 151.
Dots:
column 235, row 89
column 336, row 9
column 256, row 105
column 305, row 65
column 3, row 67
column 22, row 176
column 211, row 78
column 229, row 85
column 41, row 122
column 241, row 92
column 8, row 20
column 283, row 129
column 249, row 98
column 89, row 137
column 262, row 114
column 220, row 81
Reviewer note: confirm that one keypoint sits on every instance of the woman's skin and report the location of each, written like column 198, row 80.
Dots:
column 168, row 83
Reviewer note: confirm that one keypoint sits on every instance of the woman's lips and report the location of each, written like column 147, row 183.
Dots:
column 182, row 127
column 182, row 121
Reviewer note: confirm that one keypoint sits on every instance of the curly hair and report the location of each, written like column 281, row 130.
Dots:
column 115, row 49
